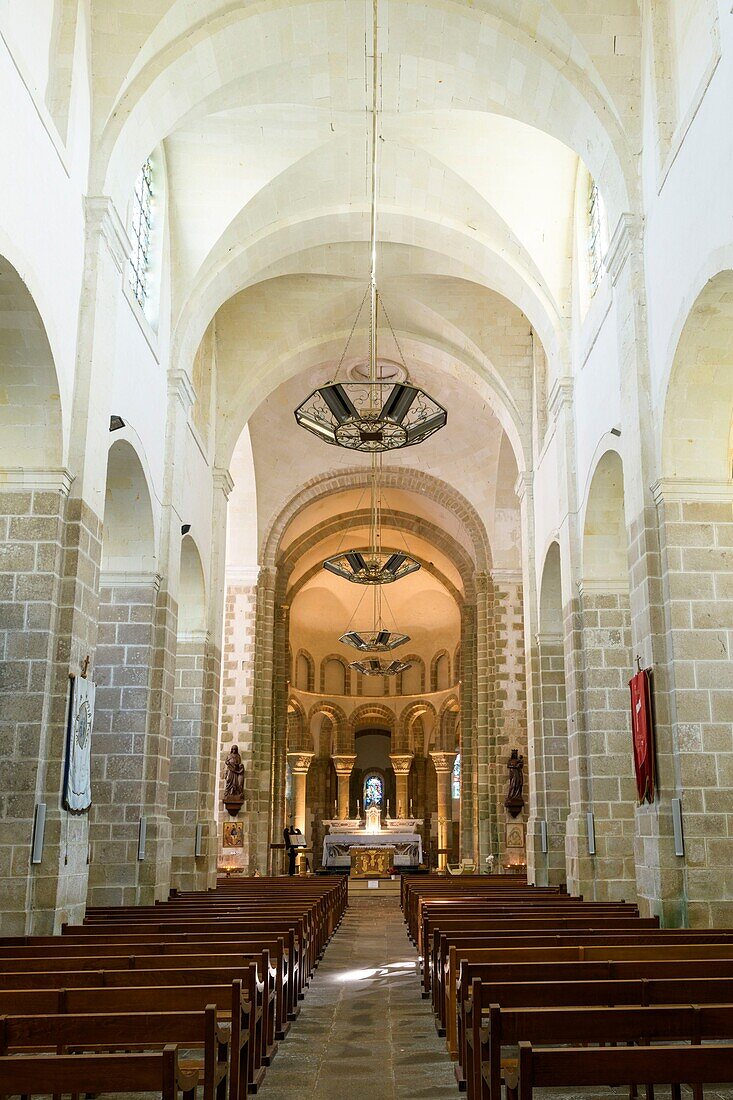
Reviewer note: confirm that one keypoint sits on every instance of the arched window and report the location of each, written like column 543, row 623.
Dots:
column 595, row 232
column 141, row 225
column 373, row 791
column 456, row 777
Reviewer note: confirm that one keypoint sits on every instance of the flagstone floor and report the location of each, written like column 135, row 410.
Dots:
column 364, row 1030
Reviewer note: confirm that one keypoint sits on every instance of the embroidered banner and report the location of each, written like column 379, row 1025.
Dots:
column 643, row 734
column 77, row 794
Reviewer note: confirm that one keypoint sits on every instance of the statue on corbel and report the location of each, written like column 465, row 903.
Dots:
column 233, row 797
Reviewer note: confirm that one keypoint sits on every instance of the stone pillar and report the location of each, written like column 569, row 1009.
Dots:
column 258, row 778
column 659, row 873
column 509, row 697
column 58, row 886
column 300, row 762
column 469, row 756
column 484, row 688
column 343, row 766
column 551, row 756
column 33, row 508
column 190, row 771
column 696, row 529
column 238, row 687
column 401, row 763
column 443, row 762
column 123, row 672
column 606, row 628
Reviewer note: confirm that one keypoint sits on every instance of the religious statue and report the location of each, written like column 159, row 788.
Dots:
column 234, row 782
column 514, row 801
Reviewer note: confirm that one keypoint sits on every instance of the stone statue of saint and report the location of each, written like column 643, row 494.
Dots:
column 234, row 785
column 515, row 765
column 514, row 801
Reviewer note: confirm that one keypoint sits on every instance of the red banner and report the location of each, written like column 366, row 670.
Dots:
column 643, row 734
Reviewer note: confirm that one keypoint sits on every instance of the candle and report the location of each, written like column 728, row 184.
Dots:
column 410, row 807
column 335, row 808
column 358, row 811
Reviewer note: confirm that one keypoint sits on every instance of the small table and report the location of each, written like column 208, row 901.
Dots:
column 372, row 862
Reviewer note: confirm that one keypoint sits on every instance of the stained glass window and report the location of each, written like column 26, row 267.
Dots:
column 142, row 201
column 456, row 777
column 594, row 235
column 373, row 791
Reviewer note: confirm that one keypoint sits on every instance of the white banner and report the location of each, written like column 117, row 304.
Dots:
column 78, row 774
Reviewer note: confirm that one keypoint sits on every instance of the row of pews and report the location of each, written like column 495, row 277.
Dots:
column 564, row 982
column 193, row 993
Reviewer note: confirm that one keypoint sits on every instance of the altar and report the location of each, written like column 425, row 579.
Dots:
column 346, row 835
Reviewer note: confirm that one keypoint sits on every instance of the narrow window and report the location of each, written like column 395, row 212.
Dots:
column 594, row 235
column 456, row 778
column 142, row 203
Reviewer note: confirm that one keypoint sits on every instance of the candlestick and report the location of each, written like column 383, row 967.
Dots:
column 410, row 807
column 358, row 811
column 335, row 807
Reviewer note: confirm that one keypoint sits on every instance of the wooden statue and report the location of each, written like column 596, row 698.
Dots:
column 234, row 782
column 514, row 800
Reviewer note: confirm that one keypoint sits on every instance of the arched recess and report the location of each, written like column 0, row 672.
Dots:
column 606, row 633
column 304, row 671
column 33, row 506
column 335, row 675
column 695, row 508
column 128, row 713
column 297, row 724
column 31, row 432
column 551, row 780
column 192, row 777
column 440, row 679
column 412, row 680
column 341, row 735
column 697, row 441
column 409, row 739
column 448, row 722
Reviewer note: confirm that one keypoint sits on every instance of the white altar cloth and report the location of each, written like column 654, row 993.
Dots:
column 337, row 847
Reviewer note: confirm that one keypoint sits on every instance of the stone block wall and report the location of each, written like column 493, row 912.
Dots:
column 697, row 556
column 552, row 752
column 608, row 664
column 237, row 701
column 123, row 671
column 508, row 717
column 31, row 558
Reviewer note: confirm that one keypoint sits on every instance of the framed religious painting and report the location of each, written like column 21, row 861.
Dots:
column 514, row 834
column 77, row 786
column 233, row 834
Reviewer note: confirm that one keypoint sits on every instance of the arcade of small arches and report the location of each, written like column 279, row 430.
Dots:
column 183, row 250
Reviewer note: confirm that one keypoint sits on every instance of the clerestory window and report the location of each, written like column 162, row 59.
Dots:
column 142, row 220
column 594, row 235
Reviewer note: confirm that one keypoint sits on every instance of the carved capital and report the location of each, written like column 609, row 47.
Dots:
column 343, row 764
column 181, row 388
column 102, row 218
column 300, row 762
column 402, row 762
column 444, row 761
column 222, row 480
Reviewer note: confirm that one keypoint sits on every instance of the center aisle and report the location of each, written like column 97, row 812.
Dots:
column 363, row 1024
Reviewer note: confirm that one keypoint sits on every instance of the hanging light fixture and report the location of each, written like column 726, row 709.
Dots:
column 380, row 668
column 375, row 565
column 374, row 641
column 373, row 416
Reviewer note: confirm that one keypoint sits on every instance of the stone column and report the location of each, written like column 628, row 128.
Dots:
column 300, row 762
column 57, row 886
column 190, row 768
column 659, row 873
column 444, row 762
column 343, row 766
column 401, row 763
column 123, row 671
column 238, row 686
column 696, row 529
column 509, row 697
column 469, row 757
column 606, row 630
column 32, row 518
column 258, row 779
column 485, row 725
column 551, row 759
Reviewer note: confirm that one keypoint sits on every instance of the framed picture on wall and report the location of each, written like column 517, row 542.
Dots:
column 514, row 834
column 233, row 834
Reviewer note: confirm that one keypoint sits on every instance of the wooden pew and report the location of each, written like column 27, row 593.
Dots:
column 101, row 1032
column 631, row 992
column 90, row 1074
column 570, row 1067
column 628, row 1024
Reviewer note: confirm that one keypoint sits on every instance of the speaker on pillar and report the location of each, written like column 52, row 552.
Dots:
column 39, row 828
column 141, row 836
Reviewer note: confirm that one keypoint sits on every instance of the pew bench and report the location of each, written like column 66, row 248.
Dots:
column 39, row 1074
column 580, row 1067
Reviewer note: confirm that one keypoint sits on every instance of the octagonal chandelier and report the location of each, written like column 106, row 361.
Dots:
column 373, row 416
